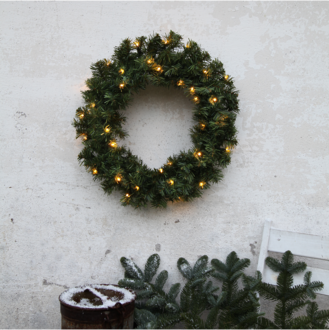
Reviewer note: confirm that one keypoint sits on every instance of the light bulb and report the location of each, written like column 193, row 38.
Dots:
column 205, row 71
column 108, row 63
column 121, row 71
column 158, row 68
column 226, row 77
column 196, row 99
column 84, row 137
column 169, row 163
column 203, row 126
column 180, row 83
column 228, row 149
column 188, row 45
column 107, row 129
column 166, row 42
column 81, row 115
column 94, row 171
column 171, row 182
column 92, row 105
column 127, row 195
column 197, row 154
column 136, row 188
column 122, row 85
column 161, row 170
column 136, row 43
column 113, row 144
column 192, row 89
column 117, row 178
column 202, row 184
column 213, row 100
column 150, row 61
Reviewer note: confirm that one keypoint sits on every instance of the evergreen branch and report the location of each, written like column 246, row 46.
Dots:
column 161, row 280
column 185, row 268
column 151, row 267
column 132, row 269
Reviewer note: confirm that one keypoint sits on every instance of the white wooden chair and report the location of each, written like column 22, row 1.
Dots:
column 299, row 244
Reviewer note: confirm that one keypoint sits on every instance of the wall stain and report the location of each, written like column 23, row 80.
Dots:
column 157, row 247
column 252, row 249
column 45, row 282
column 107, row 252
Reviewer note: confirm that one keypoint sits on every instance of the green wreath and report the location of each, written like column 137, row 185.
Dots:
column 162, row 62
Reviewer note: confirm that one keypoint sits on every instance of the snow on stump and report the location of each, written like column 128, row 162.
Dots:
column 97, row 306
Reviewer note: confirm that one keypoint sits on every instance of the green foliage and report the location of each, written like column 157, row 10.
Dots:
column 231, row 308
column 234, row 305
column 291, row 299
column 155, row 309
column 161, row 62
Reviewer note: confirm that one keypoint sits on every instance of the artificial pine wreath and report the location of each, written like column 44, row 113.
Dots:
column 162, row 62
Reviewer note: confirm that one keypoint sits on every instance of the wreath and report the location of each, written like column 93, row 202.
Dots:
column 163, row 62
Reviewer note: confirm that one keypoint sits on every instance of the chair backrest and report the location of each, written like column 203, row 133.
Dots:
column 305, row 245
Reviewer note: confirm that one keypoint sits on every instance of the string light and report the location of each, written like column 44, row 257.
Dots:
column 226, row 77
column 121, row 71
column 192, row 90
column 158, row 68
column 136, row 188
column 161, row 170
column 205, row 72
column 150, row 60
column 94, row 171
column 117, row 179
column 84, row 136
column 127, row 195
column 188, row 45
column 92, row 105
column 108, row 63
column 197, row 154
column 81, row 115
column 213, row 100
column 136, row 43
column 169, row 163
column 122, row 85
column 180, row 83
column 203, row 126
column 107, row 129
column 202, row 184
column 166, row 42
column 113, row 144
column 228, row 149
column 171, row 182
column 196, row 99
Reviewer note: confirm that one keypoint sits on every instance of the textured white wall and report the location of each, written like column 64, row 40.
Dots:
column 58, row 228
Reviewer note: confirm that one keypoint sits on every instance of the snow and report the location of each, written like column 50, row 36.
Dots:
column 132, row 265
column 184, row 267
column 96, row 299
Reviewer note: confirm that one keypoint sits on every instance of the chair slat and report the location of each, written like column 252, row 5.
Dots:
column 299, row 244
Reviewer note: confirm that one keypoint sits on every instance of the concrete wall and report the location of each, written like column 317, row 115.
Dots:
column 58, row 229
